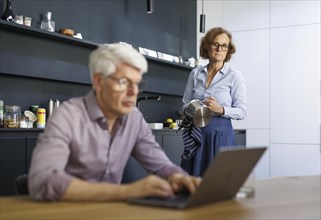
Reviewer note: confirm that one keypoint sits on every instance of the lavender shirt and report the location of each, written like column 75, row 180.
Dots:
column 76, row 143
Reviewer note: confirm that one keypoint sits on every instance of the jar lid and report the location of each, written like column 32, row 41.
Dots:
column 30, row 115
column 12, row 107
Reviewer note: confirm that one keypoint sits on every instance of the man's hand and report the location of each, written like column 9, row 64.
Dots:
column 149, row 186
column 80, row 190
column 180, row 182
column 155, row 186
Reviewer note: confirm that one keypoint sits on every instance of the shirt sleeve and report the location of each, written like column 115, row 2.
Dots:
column 47, row 177
column 188, row 93
column 237, row 110
column 150, row 154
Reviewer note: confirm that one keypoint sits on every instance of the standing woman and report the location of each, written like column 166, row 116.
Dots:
column 222, row 89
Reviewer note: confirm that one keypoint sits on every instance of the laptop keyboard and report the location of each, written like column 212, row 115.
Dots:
column 181, row 197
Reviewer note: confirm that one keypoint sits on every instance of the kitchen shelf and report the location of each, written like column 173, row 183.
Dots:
column 46, row 34
column 37, row 32
column 21, row 129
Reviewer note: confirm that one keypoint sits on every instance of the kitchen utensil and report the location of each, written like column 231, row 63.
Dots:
column 198, row 113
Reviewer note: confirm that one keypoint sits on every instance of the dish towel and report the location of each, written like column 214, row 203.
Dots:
column 192, row 141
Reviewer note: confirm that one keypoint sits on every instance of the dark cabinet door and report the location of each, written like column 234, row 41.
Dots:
column 159, row 139
column 31, row 144
column 173, row 146
column 133, row 170
column 12, row 162
column 240, row 138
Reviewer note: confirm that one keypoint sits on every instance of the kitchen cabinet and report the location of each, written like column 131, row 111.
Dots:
column 256, row 82
column 260, row 138
column 288, row 124
column 15, row 154
column 133, row 170
column 12, row 162
column 16, row 146
column 173, row 146
column 30, row 145
column 295, row 160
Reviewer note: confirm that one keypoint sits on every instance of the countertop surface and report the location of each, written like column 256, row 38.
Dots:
column 275, row 198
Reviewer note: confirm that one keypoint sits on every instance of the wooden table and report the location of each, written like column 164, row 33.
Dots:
column 275, row 198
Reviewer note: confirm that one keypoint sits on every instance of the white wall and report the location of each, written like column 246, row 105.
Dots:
column 278, row 52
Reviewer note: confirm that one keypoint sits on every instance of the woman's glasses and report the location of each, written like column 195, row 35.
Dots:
column 216, row 46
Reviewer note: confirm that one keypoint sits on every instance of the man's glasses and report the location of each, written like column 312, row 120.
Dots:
column 123, row 84
column 216, row 46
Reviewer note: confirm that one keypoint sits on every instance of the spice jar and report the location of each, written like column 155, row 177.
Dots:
column 24, row 120
column 11, row 116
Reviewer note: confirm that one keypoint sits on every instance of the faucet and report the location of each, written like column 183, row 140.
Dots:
column 147, row 98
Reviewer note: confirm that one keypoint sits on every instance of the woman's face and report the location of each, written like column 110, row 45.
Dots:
column 218, row 48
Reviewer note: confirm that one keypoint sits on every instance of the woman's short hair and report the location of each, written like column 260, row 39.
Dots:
column 106, row 57
column 207, row 40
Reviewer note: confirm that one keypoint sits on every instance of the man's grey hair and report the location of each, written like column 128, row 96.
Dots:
column 106, row 57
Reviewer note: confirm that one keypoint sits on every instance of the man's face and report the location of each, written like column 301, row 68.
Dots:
column 117, row 93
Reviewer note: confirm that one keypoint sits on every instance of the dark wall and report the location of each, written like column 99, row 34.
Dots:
column 26, row 91
column 34, row 69
column 170, row 29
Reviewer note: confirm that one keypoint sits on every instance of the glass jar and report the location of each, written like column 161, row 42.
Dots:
column 11, row 116
column 24, row 121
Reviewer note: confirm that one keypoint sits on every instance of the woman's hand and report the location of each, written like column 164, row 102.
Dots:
column 213, row 104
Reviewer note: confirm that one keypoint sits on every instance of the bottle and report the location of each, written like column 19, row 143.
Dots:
column 41, row 118
column 50, row 108
column 1, row 113
column 11, row 116
column 47, row 24
column 8, row 13
column 56, row 104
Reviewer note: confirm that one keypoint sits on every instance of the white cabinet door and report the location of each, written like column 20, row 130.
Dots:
column 295, row 85
column 252, row 59
column 245, row 15
column 285, row 13
column 260, row 138
column 295, row 160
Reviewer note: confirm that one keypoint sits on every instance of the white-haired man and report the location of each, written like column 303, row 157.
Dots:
column 84, row 149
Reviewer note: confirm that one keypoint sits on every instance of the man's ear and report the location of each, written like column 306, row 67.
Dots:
column 97, row 82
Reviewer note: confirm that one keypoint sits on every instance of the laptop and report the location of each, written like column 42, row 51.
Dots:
column 221, row 181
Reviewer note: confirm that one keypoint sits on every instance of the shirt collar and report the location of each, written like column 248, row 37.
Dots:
column 224, row 69
column 95, row 112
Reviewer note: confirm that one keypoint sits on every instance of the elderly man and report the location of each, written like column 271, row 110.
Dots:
column 84, row 149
